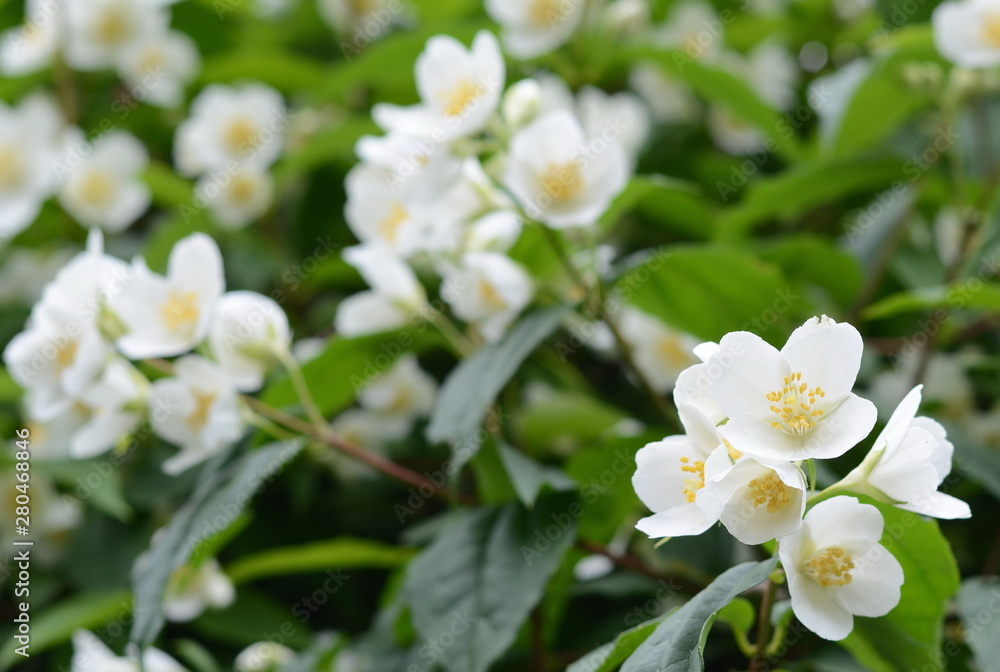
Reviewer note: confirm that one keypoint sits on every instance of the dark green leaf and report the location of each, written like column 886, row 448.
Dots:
column 607, row 658
column 340, row 553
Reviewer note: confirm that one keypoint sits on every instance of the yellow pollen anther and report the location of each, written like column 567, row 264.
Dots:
column 830, row 567
column 241, row 135
column 112, row 27
column 66, row 354
column 180, row 310
column 461, row 98
column 202, row 407
column 990, row 30
column 733, row 453
column 793, row 404
column 545, row 13
column 697, row 482
column 672, row 352
column 97, row 188
column 361, row 7
column 770, row 490
column 11, row 168
column 241, row 189
column 563, row 181
column 389, row 227
column 152, row 61
column 491, row 297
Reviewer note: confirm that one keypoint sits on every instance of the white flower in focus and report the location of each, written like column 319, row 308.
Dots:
column 535, row 27
column 28, row 151
column 459, row 89
column 242, row 124
column 158, row 68
column 193, row 590
column 489, row 290
column 670, row 477
column 90, row 654
column 968, row 32
column 404, row 391
column 196, row 409
column 117, row 404
column 167, row 316
column 836, row 568
column 30, row 47
column 694, row 384
column 263, row 657
column 756, row 502
column 661, row 353
column 103, row 186
column 561, row 179
column 395, row 296
column 236, row 199
column 908, row 462
column 100, row 31
column 248, row 334
column 795, row 403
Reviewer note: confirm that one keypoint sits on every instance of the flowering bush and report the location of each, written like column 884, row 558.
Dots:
column 586, row 335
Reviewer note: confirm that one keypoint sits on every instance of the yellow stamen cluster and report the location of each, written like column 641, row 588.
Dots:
column 389, row 227
column 770, row 490
column 673, row 352
column 830, row 567
column 66, row 354
column 461, row 98
column 563, row 181
column 241, row 189
column 697, row 482
column 97, row 188
column 733, row 453
column 180, row 310
column 202, row 407
column 793, row 404
column 241, row 136
column 545, row 13
column 11, row 168
column 990, row 30
column 112, row 27
column 491, row 297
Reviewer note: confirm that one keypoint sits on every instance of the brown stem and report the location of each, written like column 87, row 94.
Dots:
column 759, row 662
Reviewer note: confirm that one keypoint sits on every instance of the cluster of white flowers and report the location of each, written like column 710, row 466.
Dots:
column 449, row 187
column 753, row 416
column 99, row 313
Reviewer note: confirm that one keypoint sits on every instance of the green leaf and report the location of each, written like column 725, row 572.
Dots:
column 197, row 657
column 710, row 291
column 470, row 390
column 909, row 637
column 679, row 203
column 106, row 496
column 974, row 294
column 476, row 584
column 55, row 625
column 738, row 615
column 348, row 364
column 287, row 72
column 565, row 417
column 678, row 642
column 254, row 617
column 528, row 477
column 979, row 606
column 607, row 658
column 816, row 261
column 219, row 497
column 340, row 553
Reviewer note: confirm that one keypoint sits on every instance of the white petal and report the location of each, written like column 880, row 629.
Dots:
column 840, row 519
column 828, row 355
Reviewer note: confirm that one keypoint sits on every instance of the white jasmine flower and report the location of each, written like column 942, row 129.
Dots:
column 28, row 150
column 459, row 89
column 117, row 404
column 495, row 231
column 667, row 98
column 103, row 187
column 694, row 384
column 159, row 67
column 395, row 296
column 370, row 430
column 236, row 199
column 732, row 133
column 968, row 32
column 795, row 403
column 53, row 515
column 836, row 568
column 522, row 102
column 101, row 30
column 197, row 409
column 263, row 657
column 756, row 501
column 248, row 334
column 242, row 124
column 560, row 178
column 670, row 478
column 90, row 654
column 535, row 27
column 167, row 316
column 661, row 353
column 489, row 290
column 379, row 211
column 404, row 391
column 30, row 47
column 193, row 590
column 627, row 17
column 619, row 117
column 908, row 462
column 693, row 27
column 368, row 19
column 426, row 168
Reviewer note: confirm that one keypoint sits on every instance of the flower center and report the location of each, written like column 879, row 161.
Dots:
column 180, row 310
column 672, row 352
column 830, row 567
column 97, row 188
column 11, row 168
column 389, row 227
column 733, row 453
column 113, row 27
column 241, row 136
column 545, row 13
column 490, row 296
column 152, row 61
column 696, row 482
column 461, row 98
column 202, row 407
column 990, row 30
column 241, row 189
column 361, row 7
column 793, row 404
column 65, row 355
column 770, row 490
column 563, row 181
